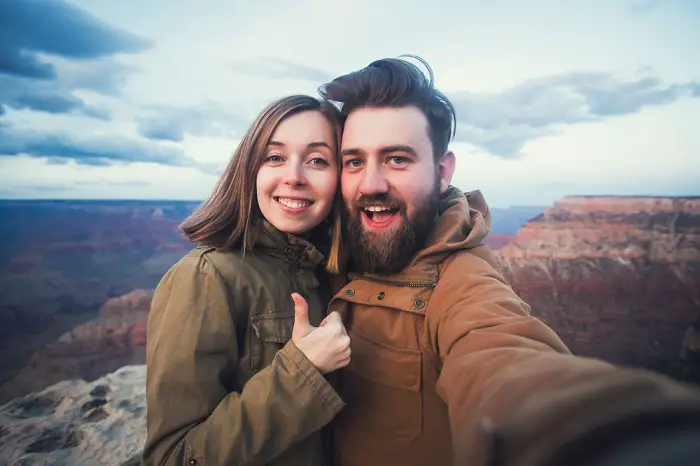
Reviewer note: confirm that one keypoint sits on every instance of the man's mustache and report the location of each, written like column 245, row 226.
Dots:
column 384, row 200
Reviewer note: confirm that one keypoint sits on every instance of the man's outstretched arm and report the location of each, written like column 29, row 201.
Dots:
column 516, row 395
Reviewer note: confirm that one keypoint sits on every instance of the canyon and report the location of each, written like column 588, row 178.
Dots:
column 616, row 277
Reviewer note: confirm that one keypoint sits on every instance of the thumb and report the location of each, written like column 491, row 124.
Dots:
column 302, row 326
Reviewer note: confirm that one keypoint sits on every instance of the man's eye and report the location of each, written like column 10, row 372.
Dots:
column 353, row 163
column 398, row 160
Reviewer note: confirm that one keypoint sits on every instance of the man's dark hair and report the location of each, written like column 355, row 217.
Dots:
column 394, row 82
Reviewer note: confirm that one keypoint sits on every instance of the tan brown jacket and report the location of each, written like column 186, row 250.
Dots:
column 449, row 367
column 225, row 384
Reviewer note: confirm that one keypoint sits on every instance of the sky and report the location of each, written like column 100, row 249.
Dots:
column 147, row 100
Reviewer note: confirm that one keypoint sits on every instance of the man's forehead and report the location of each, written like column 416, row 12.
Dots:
column 373, row 128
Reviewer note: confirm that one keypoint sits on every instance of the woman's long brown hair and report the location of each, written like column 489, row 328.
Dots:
column 226, row 219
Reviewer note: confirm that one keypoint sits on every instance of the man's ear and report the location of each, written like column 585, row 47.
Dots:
column 446, row 168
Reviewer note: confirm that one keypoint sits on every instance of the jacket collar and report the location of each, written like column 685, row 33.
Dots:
column 288, row 247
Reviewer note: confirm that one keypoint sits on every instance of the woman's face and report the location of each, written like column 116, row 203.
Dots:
column 299, row 175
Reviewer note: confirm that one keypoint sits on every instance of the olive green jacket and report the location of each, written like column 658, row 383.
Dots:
column 225, row 383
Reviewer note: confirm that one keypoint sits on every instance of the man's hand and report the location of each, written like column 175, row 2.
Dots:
column 327, row 346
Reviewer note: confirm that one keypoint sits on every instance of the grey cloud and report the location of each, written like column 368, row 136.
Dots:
column 172, row 123
column 272, row 67
column 49, row 49
column 55, row 27
column 44, row 96
column 502, row 123
column 102, row 151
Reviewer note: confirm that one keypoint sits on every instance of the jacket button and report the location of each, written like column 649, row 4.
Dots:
column 350, row 292
column 420, row 304
column 192, row 461
column 380, row 296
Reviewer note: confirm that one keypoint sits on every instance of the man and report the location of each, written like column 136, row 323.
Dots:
column 448, row 366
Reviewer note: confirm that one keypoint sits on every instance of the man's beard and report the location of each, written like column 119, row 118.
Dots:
column 389, row 252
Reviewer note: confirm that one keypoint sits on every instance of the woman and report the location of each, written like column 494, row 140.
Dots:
column 235, row 369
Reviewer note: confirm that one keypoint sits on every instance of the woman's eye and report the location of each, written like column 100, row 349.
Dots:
column 319, row 162
column 274, row 158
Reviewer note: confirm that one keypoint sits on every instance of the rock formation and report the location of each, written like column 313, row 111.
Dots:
column 78, row 423
column 616, row 277
column 60, row 260
column 115, row 338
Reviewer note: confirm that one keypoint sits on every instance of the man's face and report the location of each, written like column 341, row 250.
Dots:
column 391, row 185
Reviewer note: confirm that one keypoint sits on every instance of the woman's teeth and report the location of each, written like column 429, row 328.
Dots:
column 293, row 203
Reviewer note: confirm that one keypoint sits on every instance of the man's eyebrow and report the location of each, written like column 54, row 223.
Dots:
column 352, row 151
column 398, row 148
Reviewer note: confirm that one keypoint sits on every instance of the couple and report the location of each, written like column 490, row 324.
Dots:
column 341, row 309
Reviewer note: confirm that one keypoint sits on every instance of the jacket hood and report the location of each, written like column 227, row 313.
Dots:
column 463, row 222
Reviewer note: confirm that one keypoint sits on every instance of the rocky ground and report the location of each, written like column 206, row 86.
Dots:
column 78, row 423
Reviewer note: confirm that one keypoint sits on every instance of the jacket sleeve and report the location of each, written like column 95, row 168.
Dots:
column 191, row 352
column 514, row 392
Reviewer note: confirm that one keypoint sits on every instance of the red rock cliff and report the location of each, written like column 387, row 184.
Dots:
column 115, row 338
column 616, row 277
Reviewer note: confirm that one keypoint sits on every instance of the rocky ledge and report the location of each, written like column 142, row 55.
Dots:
column 78, row 423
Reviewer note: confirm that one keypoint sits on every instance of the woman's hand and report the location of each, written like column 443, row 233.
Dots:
column 327, row 346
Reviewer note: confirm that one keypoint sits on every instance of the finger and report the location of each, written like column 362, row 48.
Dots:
column 343, row 363
column 324, row 321
column 301, row 314
column 334, row 319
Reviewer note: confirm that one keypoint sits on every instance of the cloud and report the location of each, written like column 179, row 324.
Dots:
column 44, row 96
column 502, row 123
column 100, row 151
column 642, row 6
column 171, row 123
column 127, row 183
column 280, row 68
column 54, row 27
column 50, row 49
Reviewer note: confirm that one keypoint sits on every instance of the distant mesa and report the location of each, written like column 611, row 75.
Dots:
column 617, row 277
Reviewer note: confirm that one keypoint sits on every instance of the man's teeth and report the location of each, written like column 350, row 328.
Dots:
column 293, row 203
column 377, row 208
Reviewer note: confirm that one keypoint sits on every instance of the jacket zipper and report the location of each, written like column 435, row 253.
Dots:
column 392, row 282
column 285, row 249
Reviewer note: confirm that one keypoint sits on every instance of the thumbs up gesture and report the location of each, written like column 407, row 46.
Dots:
column 327, row 346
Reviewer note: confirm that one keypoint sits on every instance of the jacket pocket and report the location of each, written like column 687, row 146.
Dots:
column 270, row 333
column 382, row 385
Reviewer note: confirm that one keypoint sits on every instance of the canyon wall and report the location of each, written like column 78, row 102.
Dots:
column 616, row 277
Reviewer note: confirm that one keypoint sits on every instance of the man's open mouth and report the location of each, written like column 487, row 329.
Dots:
column 380, row 215
column 291, row 203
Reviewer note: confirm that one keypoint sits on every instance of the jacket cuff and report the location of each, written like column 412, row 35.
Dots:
column 313, row 376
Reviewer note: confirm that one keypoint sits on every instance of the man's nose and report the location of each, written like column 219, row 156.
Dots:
column 294, row 175
column 373, row 182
